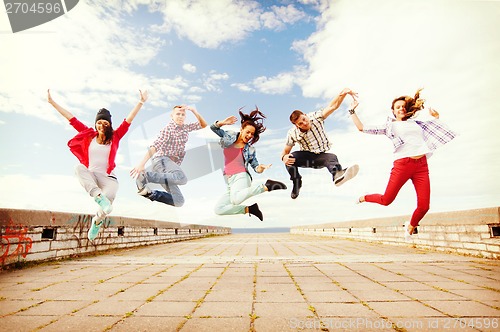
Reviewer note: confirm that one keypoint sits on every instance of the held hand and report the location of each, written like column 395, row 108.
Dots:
column 433, row 112
column 144, row 95
column 348, row 91
column 289, row 160
column 354, row 104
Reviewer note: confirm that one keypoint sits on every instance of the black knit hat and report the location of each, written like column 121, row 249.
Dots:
column 103, row 114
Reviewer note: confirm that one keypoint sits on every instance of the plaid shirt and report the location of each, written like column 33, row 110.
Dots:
column 435, row 133
column 171, row 142
column 313, row 140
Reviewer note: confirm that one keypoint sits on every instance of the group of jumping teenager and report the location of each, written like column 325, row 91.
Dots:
column 414, row 141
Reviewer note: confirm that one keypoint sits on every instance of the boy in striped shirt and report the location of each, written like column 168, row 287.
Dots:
column 309, row 133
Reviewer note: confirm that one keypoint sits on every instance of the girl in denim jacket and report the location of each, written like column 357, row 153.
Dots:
column 239, row 154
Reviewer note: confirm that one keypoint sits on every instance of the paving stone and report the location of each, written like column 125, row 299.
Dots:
column 147, row 324
column 403, row 309
column 464, row 308
column 224, row 309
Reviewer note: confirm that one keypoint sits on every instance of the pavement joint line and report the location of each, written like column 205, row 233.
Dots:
column 253, row 316
column 310, row 306
column 202, row 299
column 415, row 299
column 435, row 287
column 251, row 259
column 364, row 303
column 155, row 296
column 97, row 301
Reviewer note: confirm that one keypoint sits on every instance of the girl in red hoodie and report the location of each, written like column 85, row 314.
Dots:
column 96, row 150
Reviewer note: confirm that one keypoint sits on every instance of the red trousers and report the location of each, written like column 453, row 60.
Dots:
column 405, row 169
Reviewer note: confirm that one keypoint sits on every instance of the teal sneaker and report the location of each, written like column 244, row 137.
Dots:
column 94, row 227
column 104, row 203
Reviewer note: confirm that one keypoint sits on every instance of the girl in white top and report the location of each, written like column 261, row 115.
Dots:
column 414, row 141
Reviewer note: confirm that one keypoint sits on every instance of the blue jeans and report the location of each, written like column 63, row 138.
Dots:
column 169, row 175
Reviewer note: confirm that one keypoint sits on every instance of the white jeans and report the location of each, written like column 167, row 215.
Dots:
column 96, row 183
column 239, row 188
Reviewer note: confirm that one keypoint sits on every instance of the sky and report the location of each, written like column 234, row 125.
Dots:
column 220, row 55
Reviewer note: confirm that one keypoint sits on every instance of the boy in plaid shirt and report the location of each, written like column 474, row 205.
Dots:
column 167, row 153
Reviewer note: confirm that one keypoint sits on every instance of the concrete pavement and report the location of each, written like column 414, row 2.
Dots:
column 256, row 282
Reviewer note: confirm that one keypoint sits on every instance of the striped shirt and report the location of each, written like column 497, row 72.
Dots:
column 171, row 142
column 315, row 139
column 435, row 133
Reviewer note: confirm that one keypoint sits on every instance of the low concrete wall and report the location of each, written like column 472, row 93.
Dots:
column 28, row 235
column 472, row 232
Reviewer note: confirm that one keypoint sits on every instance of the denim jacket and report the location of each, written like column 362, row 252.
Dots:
column 227, row 138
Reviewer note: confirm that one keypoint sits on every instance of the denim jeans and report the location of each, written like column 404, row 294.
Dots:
column 169, row 175
column 308, row 159
column 239, row 188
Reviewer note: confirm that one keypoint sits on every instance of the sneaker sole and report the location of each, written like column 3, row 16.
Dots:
column 349, row 174
column 144, row 191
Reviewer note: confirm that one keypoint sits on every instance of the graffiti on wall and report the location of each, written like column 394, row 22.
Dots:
column 15, row 242
column 80, row 224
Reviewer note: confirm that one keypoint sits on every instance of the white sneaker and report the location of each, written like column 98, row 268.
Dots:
column 94, row 226
column 408, row 237
column 346, row 175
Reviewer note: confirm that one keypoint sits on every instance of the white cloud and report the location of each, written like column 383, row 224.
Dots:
column 210, row 23
column 189, row 68
column 279, row 84
column 280, row 16
column 242, row 87
column 212, row 80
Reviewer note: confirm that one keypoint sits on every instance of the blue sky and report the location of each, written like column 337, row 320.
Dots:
column 220, row 55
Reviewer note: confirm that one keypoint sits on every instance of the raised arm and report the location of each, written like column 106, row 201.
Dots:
column 337, row 101
column 130, row 117
column 198, row 116
column 354, row 116
column 58, row 107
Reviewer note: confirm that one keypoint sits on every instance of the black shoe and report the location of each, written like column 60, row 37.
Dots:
column 254, row 209
column 274, row 185
column 296, row 189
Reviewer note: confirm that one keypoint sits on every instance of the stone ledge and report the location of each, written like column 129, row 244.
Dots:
column 466, row 232
column 30, row 235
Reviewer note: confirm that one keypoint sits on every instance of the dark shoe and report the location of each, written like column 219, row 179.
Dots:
column 254, row 209
column 274, row 185
column 296, row 189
